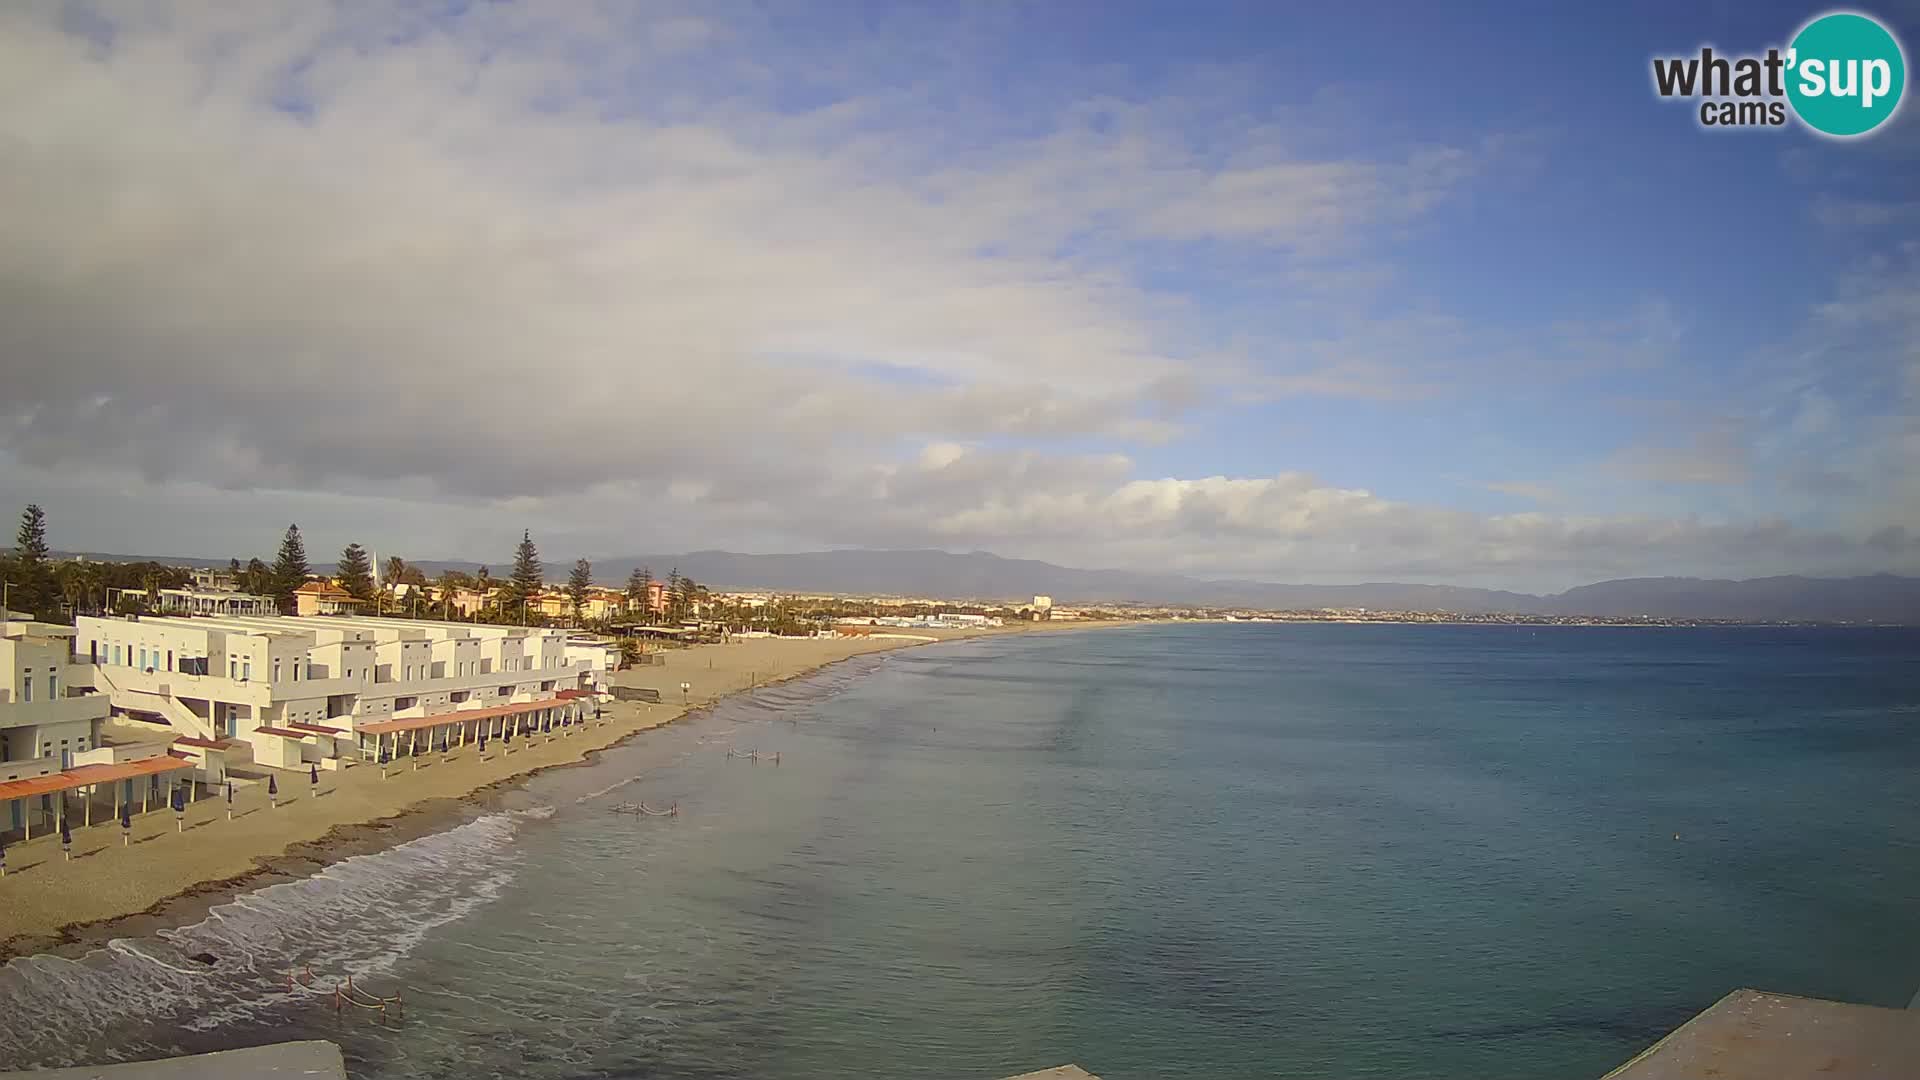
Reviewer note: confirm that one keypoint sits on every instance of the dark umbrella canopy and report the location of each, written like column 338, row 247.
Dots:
column 313, row 775
column 66, row 834
column 273, row 787
column 126, row 816
column 229, row 791
column 179, row 801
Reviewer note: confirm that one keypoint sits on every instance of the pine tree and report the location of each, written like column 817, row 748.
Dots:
column 578, row 583
column 527, row 577
column 355, row 572
column 31, row 572
column 290, row 568
column 689, row 593
column 639, row 585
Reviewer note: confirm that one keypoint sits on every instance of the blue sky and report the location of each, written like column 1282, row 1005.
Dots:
column 1363, row 292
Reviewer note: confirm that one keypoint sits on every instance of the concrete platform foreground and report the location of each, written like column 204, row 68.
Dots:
column 1753, row 1035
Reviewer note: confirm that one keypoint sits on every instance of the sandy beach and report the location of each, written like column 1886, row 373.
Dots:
column 172, row 871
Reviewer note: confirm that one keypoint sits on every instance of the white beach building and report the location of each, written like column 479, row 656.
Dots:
column 305, row 690
column 50, row 738
column 48, row 712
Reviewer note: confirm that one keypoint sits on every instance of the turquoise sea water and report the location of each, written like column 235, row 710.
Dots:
column 1223, row 851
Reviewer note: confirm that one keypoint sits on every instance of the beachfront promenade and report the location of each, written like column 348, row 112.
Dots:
column 46, row 896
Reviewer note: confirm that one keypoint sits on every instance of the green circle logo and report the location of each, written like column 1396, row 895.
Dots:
column 1845, row 74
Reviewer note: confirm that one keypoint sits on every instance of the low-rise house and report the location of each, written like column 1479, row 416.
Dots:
column 324, row 598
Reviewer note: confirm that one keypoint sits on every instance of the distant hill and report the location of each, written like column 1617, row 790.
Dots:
column 980, row 575
column 1876, row 598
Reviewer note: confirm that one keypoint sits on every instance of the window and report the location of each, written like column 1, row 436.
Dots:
column 93, row 651
column 246, row 669
column 276, row 669
column 233, row 667
column 169, row 659
column 53, row 687
column 26, row 689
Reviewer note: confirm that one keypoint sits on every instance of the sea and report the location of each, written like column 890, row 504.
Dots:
column 1189, row 850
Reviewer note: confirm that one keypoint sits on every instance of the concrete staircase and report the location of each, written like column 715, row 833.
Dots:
column 182, row 720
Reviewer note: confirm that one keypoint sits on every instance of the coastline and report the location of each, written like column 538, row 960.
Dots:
column 46, row 912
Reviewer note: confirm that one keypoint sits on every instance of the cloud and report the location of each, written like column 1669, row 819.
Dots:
column 1520, row 490
column 1718, row 454
column 324, row 252
column 643, row 277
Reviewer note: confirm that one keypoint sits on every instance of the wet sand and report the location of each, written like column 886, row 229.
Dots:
column 169, row 877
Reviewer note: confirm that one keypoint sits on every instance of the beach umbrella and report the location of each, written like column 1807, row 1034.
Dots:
column 384, row 758
column 273, row 791
column 229, row 800
column 126, row 824
column 507, row 736
column 66, row 838
column 3, row 858
column 313, row 779
column 179, row 810
column 483, row 742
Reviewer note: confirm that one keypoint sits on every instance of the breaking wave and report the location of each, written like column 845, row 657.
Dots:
column 359, row 916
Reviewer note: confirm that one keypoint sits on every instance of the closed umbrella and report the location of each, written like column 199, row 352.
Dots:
column 179, row 810
column 3, row 858
column 66, row 838
column 126, row 824
column 229, row 800
column 313, row 779
column 273, row 792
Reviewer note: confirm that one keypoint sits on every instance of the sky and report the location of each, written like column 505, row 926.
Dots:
column 1352, row 292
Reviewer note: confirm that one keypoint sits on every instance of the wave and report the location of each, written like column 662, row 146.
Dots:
column 358, row 916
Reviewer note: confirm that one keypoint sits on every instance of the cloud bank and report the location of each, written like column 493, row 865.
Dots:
column 650, row 279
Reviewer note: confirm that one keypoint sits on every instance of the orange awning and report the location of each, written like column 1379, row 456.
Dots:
column 84, row 775
column 415, row 723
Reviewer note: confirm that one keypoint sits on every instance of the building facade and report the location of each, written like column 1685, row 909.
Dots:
column 48, row 714
column 300, row 688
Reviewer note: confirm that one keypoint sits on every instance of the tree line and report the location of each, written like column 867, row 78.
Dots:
column 36, row 585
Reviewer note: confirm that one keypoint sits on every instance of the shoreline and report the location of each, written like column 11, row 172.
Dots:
column 303, row 857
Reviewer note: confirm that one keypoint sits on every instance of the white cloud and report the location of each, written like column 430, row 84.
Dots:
column 601, row 275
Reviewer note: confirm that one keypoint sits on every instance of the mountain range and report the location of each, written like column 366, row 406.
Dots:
column 1882, row 598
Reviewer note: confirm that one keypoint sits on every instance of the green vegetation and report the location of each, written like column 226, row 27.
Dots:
column 289, row 569
column 527, row 576
column 355, row 573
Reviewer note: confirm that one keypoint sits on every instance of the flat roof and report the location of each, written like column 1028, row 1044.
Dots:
column 207, row 744
column 83, row 775
column 1754, row 1035
column 460, row 716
